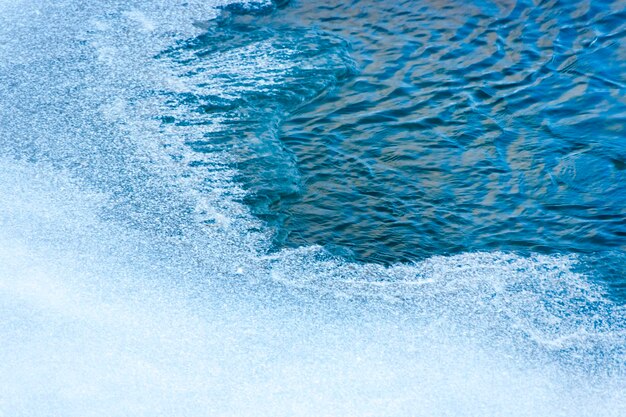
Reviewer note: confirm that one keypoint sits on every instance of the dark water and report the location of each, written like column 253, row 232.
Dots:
column 470, row 126
column 406, row 129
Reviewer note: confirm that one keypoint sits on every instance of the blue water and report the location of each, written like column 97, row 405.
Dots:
column 410, row 130
column 368, row 208
column 463, row 127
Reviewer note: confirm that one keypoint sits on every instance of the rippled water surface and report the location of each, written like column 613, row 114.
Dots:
column 461, row 126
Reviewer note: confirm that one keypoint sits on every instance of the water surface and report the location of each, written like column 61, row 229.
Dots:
column 157, row 160
column 465, row 126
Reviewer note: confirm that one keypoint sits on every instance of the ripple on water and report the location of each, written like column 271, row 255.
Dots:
column 392, row 132
column 470, row 126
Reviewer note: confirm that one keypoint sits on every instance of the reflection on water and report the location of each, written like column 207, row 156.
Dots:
column 470, row 126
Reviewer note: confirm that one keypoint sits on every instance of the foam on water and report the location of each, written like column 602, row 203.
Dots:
column 98, row 321
column 134, row 282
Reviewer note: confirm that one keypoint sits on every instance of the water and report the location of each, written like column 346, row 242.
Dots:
column 481, row 126
column 167, row 169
